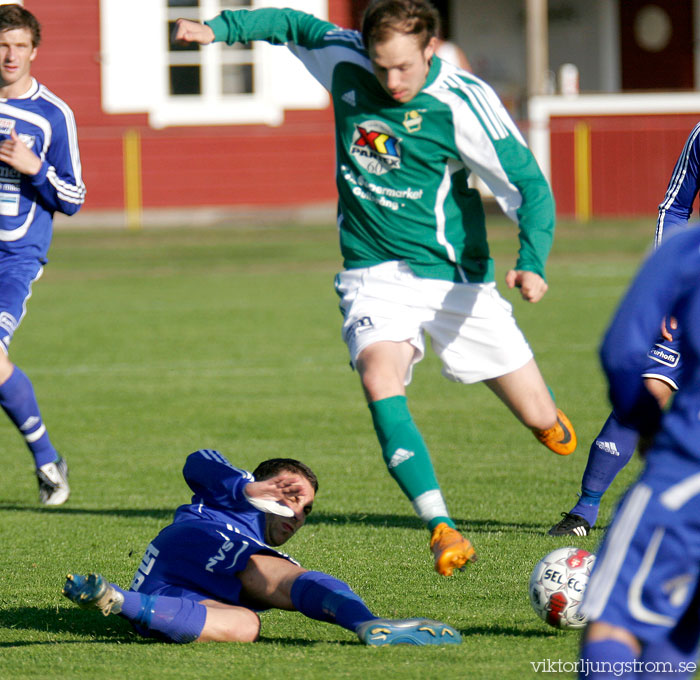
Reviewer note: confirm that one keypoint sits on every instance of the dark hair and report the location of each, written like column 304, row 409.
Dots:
column 15, row 16
column 269, row 468
column 411, row 17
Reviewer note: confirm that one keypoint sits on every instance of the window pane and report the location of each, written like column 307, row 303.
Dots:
column 183, row 3
column 232, row 4
column 179, row 47
column 236, row 47
column 185, row 80
column 237, row 79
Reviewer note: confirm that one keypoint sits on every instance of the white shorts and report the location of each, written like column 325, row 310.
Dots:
column 471, row 326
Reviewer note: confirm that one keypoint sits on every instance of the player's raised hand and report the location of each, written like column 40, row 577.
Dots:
column 269, row 494
column 532, row 286
column 186, row 31
column 18, row 155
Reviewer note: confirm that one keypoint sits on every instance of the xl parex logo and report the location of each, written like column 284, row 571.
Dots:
column 375, row 147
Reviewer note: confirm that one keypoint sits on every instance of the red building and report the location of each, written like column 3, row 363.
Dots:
column 170, row 128
column 181, row 165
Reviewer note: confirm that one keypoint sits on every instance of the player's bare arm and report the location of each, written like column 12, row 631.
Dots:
column 192, row 31
column 16, row 154
column 532, row 286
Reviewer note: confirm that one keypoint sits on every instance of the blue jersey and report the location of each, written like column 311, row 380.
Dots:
column 210, row 540
column 47, row 126
column 666, row 285
column 676, row 208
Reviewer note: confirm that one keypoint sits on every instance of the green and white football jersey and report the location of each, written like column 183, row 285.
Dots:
column 402, row 168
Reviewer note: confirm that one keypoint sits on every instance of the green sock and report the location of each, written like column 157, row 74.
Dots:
column 407, row 458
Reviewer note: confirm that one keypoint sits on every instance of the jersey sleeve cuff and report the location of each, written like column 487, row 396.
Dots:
column 220, row 28
column 40, row 177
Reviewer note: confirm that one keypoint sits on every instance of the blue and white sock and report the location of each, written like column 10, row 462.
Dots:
column 18, row 400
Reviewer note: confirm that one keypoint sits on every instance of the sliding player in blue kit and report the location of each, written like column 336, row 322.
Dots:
column 410, row 128
column 614, row 446
column 40, row 174
column 643, row 597
column 205, row 575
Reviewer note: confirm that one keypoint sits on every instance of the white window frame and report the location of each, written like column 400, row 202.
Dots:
column 135, row 63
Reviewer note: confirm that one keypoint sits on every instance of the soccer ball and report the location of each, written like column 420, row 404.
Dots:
column 557, row 584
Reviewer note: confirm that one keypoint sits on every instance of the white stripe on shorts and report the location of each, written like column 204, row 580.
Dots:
column 634, row 596
column 620, row 536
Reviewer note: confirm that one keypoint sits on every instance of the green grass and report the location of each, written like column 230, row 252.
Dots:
column 146, row 346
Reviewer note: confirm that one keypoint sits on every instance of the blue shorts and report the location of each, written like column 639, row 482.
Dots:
column 665, row 361
column 646, row 571
column 16, row 277
column 199, row 560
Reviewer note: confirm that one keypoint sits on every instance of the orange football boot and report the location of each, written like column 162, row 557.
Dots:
column 452, row 551
column 560, row 438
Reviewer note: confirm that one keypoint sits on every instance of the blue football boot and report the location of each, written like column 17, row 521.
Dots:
column 93, row 592
column 379, row 632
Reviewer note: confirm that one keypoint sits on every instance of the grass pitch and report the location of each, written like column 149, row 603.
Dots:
column 146, row 346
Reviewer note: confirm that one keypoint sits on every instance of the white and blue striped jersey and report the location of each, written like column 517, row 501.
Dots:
column 676, row 208
column 46, row 125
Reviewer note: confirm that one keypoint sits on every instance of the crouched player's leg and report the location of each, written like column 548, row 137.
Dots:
column 268, row 582
column 275, row 582
column 221, row 581
column 175, row 619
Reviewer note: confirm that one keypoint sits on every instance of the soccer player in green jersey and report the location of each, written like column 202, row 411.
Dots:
column 410, row 128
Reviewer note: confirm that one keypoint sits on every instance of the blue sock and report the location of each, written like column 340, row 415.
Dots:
column 658, row 654
column 19, row 402
column 324, row 598
column 605, row 659
column 610, row 451
column 174, row 618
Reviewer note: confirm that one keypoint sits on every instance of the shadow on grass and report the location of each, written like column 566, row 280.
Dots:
column 153, row 513
column 329, row 518
column 511, row 631
column 98, row 629
column 94, row 628
column 73, row 621
column 412, row 522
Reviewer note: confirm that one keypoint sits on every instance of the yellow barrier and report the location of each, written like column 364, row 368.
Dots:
column 583, row 194
column 132, row 179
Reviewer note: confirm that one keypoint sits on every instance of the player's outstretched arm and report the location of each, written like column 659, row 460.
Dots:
column 532, row 286
column 186, row 31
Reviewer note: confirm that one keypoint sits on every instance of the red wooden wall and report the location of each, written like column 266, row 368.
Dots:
column 631, row 160
column 256, row 165
column 226, row 165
